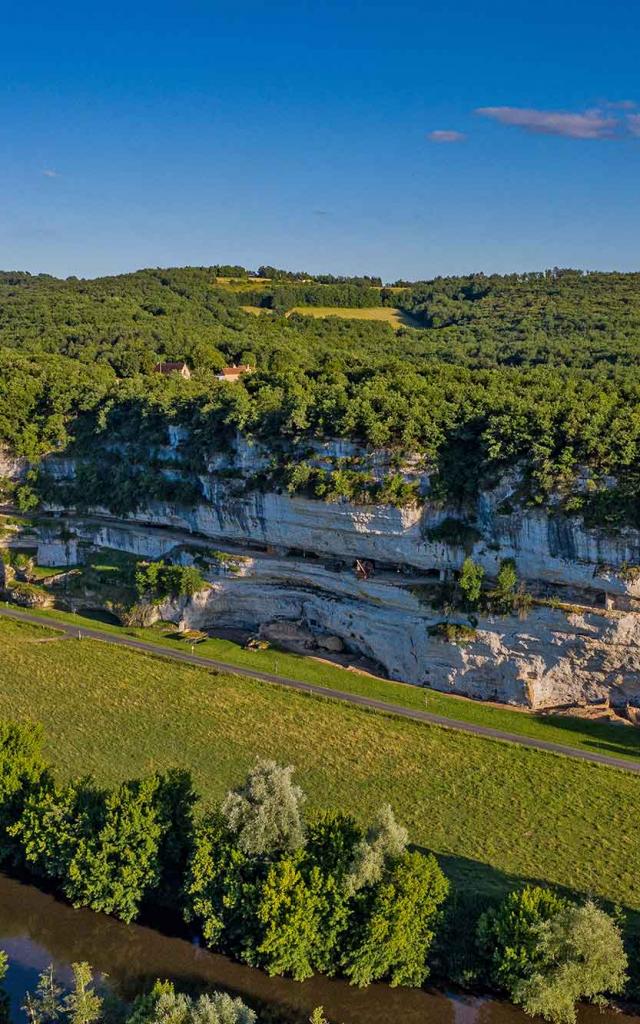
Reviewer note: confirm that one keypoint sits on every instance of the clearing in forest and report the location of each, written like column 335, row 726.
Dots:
column 397, row 318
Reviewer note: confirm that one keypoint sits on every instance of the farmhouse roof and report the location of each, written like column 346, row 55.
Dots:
column 172, row 367
column 235, row 371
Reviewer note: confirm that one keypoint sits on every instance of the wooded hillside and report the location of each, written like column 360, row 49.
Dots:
column 539, row 370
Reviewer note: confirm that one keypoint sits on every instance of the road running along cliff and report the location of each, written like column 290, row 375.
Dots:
column 368, row 703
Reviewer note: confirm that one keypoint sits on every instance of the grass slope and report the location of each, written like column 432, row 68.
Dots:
column 595, row 737
column 492, row 811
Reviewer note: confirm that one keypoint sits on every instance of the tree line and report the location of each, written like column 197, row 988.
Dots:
column 84, row 1001
column 470, row 427
column 293, row 894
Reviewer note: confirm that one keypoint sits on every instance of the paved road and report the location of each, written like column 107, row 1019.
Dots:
column 295, row 684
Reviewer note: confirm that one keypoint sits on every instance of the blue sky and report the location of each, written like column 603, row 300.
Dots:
column 301, row 134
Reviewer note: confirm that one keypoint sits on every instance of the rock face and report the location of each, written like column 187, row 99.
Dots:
column 295, row 566
column 11, row 467
column 55, row 551
column 547, row 547
column 551, row 658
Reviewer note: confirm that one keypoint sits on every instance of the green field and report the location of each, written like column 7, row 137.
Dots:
column 242, row 284
column 494, row 812
column 256, row 310
column 395, row 317
column 596, row 737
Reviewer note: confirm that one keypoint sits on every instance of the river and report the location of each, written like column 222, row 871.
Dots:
column 36, row 930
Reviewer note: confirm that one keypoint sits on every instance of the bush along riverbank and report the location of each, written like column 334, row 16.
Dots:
column 258, row 880
column 84, row 1003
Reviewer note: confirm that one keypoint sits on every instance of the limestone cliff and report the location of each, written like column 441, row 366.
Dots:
column 579, row 641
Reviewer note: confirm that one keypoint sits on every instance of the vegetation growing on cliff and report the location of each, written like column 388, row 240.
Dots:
column 157, row 581
column 538, row 371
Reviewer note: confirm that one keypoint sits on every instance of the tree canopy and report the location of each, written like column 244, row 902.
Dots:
column 536, row 370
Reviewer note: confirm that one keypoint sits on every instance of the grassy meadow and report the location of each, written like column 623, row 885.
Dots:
column 493, row 812
column 396, row 318
column 388, row 314
column 592, row 736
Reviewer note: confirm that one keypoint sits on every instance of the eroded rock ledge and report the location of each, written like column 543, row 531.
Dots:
column 579, row 642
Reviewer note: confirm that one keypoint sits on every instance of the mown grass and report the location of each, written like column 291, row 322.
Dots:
column 494, row 812
column 256, row 310
column 594, row 737
column 396, row 317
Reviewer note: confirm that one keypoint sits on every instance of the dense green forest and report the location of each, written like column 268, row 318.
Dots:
column 538, row 371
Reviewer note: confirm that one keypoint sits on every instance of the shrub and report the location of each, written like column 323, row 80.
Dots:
column 453, row 632
column 470, row 582
column 507, row 938
column 547, row 953
column 506, row 597
column 108, row 850
column 291, row 912
column 22, row 769
column 580, row 956
column 385, row 841
column 506, row 580
column 394, row 924
column 266, row 812
column 157, row 581
column 163, row 1005
column 217, row 887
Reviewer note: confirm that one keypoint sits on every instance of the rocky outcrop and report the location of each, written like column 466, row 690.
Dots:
column 294, row 558
column 549, row 549
column 400, row 537
column 551, row 658
column 12, row 467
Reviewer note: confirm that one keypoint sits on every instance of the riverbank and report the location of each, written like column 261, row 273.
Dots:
column 36, row 930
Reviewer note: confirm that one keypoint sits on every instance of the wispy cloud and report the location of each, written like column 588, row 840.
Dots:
column 446, row 136
column 592, row 124
column 618, row 104
column 633, row 121
column 50, row 173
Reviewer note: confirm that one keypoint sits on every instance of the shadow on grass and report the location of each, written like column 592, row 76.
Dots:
column 617, row 740
column 99, row 615
column 475, row 887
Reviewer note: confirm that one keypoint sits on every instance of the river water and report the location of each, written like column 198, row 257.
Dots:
column 36, row 930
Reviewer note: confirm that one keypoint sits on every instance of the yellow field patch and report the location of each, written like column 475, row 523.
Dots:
column 256, row 310
column 388, row 314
